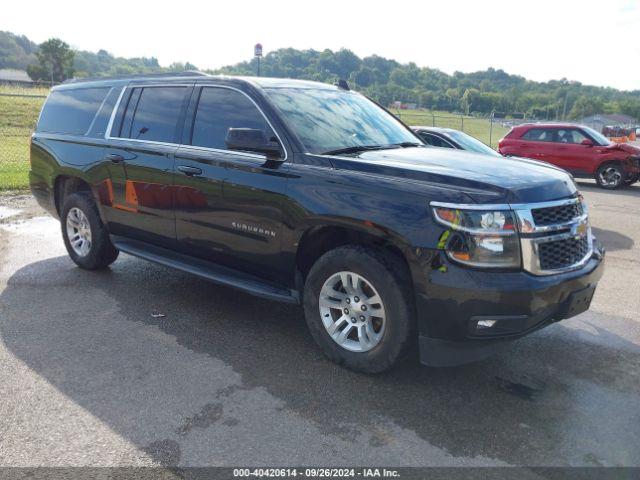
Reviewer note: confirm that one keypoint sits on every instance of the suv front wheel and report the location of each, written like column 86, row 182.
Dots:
column 84, row 234
column 359, row 308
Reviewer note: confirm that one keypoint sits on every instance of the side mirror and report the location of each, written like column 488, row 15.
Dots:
column 252, row 140
column 587, row 143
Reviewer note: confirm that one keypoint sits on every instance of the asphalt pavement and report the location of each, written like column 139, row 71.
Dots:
column 144, row 365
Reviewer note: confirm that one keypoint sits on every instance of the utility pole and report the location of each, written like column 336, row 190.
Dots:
column 257, row 53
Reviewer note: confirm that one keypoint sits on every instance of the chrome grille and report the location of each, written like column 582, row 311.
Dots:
column 558, row 214
column 554, row 236
column 562, row 253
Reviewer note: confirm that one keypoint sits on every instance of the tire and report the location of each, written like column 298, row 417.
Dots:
column 610, row 176
column 389, row 326
column 92, row 250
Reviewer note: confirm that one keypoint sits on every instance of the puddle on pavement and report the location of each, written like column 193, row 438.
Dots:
column 33, row 226
column 6, row 212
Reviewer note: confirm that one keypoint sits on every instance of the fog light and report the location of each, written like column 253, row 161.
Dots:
column 486, row 323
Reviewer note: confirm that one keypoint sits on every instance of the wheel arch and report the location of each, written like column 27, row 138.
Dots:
column 318, row 239
column 65, row 185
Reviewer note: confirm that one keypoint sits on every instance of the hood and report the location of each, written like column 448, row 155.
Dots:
column 625, row 147
column 485, row 178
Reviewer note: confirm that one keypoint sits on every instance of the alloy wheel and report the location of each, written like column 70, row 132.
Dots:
column 610, row 176
column 352, row 311
column 79, row 232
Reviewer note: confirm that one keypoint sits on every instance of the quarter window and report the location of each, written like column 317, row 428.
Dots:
column 220, row 109
column 152, row 114
column 71, row 111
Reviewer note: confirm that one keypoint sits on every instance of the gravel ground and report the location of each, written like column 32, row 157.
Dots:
column 143, row 365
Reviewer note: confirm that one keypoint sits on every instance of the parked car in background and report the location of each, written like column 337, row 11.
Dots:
column 450, row 138
column 580, row 150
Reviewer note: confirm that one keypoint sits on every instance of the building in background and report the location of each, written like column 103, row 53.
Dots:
column 598, row 122
column 15, row 77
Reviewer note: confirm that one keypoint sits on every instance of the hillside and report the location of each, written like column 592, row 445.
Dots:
column 16, row 51
column 383, row 79
column 477, row 92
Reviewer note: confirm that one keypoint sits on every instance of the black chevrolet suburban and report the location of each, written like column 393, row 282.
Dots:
column 311, row 193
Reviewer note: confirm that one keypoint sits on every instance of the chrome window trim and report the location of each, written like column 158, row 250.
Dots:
column 258, row 156
column 195, row 147
column 107, row 133
column 530, row 238
column 95, row 117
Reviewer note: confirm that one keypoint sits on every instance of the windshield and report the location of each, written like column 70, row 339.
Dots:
column 328, row 120
column 597, row 136
column 467, row 142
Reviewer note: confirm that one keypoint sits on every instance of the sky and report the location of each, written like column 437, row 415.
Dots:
column 593, row 42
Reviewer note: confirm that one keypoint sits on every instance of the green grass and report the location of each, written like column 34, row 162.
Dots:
column 479, row 128
column 14, row 161
column 18, row 117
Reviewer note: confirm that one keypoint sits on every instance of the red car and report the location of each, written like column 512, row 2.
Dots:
column 580, row 150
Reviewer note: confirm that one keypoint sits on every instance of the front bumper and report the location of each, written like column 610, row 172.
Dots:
column 632, row 166
column 517, row 302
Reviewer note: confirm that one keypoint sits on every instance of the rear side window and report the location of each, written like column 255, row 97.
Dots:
column 152, row 114
column 539, row 135
column 220, row 109
column 71, row 111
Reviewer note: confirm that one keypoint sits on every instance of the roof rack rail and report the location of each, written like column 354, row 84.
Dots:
column 186, row 73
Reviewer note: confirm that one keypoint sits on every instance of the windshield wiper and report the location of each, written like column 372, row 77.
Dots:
column 408, row 144
column 365, row 148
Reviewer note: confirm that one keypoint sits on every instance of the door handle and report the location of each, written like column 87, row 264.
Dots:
column 189, row 171
column 115, row 158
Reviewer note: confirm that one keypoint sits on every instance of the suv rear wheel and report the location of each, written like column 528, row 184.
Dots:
column 359, row 308
column 84, row 234
column 610, row 176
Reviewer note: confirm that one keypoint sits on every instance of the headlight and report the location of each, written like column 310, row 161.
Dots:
column 480, row 238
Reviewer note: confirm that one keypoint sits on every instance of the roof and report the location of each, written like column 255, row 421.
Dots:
column 267, row 82
column 187, row 73
column 549, row 125
column 13, row 75
column 433, row 129
column 201, row 77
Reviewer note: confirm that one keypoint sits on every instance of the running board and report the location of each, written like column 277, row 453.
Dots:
column 202, row 268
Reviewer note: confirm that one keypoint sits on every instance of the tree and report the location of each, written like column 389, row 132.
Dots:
column 55, row 61
column 585, row 106
column 364, row 77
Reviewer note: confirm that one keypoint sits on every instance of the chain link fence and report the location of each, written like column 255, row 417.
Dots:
column 487, row 130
